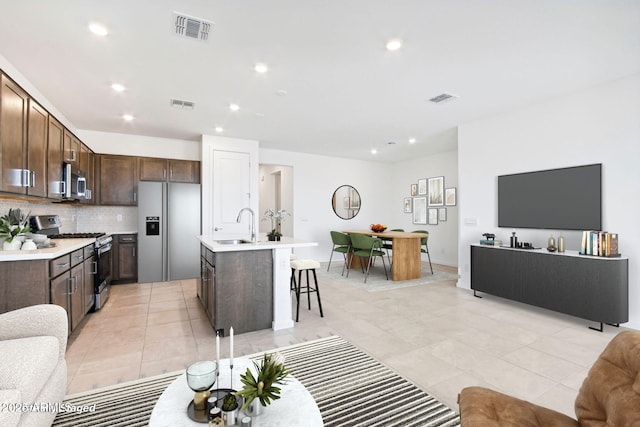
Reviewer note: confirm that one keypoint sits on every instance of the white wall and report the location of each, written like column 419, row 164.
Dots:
column 600, row 125
column 315, row 178
column 267, row 196
column 137, row 145
column 443, row 237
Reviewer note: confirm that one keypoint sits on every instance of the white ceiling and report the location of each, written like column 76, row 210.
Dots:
column 345, row 94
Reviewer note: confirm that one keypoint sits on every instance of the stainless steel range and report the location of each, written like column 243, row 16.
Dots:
column 50, row 226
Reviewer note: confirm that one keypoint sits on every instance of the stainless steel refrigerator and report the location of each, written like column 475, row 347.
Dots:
column 168, row 223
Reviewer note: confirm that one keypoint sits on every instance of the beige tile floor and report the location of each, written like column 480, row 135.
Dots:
column 438, row 336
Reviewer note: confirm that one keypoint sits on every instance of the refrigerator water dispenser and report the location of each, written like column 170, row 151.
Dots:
column 153, row 226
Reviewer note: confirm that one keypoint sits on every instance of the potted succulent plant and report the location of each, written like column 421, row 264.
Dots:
column 12, row 227
column 230, row 409
column 261, row 389
column 275, row 217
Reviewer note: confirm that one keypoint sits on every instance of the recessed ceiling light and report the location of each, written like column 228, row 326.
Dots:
column 219, row 129
column 118, row 87
column 261, row 68
column 234, row 107
column 412, row 140
column 394, row 44
column 374, row 151
column 98, row 29
column 128, row 117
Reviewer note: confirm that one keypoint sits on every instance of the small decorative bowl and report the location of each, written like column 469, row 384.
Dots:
column 377, row 228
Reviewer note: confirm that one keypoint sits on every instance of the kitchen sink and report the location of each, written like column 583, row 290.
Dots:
column 232, row 242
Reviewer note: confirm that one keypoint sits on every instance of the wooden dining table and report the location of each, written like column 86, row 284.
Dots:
column 406, row 259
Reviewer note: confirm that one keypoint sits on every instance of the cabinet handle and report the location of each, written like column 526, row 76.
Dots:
column 33, row 179
column 73, row 156
column 135, row 197
column 134, row 252
column 171, row 173
column 26, row 178
column 218, row 228
column 164, row 173
column 66, row 264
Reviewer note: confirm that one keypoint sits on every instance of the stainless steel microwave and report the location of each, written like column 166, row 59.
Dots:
column 74, row 184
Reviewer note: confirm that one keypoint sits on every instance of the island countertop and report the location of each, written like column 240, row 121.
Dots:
column 261, row 244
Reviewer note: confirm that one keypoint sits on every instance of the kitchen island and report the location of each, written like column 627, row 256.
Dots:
column 247, row 285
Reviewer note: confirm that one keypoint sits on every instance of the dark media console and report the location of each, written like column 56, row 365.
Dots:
column 589, row 287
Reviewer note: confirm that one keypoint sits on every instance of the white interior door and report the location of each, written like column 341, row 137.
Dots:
column 231, row 192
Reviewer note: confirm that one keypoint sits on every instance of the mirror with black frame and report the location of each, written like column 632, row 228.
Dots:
column 346, row 202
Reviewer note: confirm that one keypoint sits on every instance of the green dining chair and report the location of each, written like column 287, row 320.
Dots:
column 369, row 248
column 342, row 244
column 387, row 243
column 423, row 242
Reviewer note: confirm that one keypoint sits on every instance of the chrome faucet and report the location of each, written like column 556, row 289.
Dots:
column 253, row 220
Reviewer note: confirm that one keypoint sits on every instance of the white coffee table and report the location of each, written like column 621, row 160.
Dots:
column 295, row 407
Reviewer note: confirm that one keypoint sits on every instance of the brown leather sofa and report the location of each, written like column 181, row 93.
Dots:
column 609, row 396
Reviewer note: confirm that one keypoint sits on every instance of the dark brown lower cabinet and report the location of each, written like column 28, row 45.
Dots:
column 125, row 259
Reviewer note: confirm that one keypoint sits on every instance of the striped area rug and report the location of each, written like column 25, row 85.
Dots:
column 349, row 386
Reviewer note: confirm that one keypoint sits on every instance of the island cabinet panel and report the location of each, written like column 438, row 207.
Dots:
column 236, row 289
column 23, row 283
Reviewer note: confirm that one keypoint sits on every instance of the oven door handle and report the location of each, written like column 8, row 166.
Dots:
column 103, row 249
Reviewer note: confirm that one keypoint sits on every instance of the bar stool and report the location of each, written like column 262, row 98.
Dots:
column 292, row 285
column 305, row 265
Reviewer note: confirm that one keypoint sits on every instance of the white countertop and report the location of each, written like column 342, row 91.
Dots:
column 261, row 244
column 546, row 252
column 62, row 246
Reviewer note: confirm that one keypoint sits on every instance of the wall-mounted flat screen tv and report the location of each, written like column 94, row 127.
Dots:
column 558, row 199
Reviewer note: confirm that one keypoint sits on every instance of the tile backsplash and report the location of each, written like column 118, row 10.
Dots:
column 80, row 218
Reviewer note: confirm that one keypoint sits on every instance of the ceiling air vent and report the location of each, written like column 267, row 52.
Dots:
column 193, row 28
column 177, row 103
column 443, row 98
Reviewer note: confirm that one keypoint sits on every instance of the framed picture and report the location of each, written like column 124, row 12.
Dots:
column 419, row 210
column 442, row 214
column 408, row 205
column 414, row 189
column 433, row 216
column 450, row 196
column 436, row 191
column 422, row 187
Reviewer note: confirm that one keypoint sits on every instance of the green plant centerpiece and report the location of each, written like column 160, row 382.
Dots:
column 276, row 218
column 229, row 403
column 271, row 373
column 14, row 224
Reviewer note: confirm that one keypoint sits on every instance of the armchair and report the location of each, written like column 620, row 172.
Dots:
column 33, row 370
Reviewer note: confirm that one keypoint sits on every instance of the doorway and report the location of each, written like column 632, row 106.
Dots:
column 276, row 192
